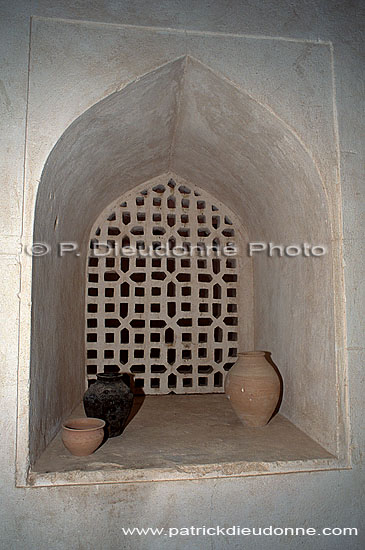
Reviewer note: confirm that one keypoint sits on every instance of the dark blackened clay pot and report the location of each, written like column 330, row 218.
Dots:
column 111, row 399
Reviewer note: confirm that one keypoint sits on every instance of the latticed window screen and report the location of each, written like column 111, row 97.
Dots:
column 169, row 321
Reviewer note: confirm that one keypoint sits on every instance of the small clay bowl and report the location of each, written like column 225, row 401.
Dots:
column 82, row 436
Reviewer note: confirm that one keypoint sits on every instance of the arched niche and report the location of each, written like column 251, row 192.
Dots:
column 184, row 118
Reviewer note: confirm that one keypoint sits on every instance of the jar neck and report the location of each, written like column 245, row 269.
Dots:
column 252, row 354
column 109, row 377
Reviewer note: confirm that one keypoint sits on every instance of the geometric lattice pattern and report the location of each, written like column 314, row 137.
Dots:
column 170, row 321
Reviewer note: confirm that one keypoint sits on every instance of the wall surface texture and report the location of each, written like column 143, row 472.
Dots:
column 59, row 59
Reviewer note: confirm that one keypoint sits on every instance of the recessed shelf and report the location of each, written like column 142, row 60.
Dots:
column 173, row 437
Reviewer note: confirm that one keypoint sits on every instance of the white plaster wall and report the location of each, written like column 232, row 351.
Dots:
column 91, row 517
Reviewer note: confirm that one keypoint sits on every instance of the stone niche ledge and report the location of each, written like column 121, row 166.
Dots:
column 177, row 437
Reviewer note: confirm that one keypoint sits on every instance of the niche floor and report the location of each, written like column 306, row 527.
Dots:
column 184, row 437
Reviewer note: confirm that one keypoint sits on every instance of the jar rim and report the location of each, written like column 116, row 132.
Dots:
column 83, row 424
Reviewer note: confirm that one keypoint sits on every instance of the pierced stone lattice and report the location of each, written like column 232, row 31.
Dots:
column 170, row 322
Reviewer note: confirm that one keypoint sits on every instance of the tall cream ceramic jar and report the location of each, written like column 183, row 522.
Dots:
column 253, row 388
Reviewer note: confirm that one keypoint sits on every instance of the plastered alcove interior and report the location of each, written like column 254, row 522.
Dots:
column 183, row 118
column 304, row 60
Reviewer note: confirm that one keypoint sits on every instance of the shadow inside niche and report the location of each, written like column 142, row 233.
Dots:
column 139, row 396
column 270, row 360
column 137, row 404
column 105, row 438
